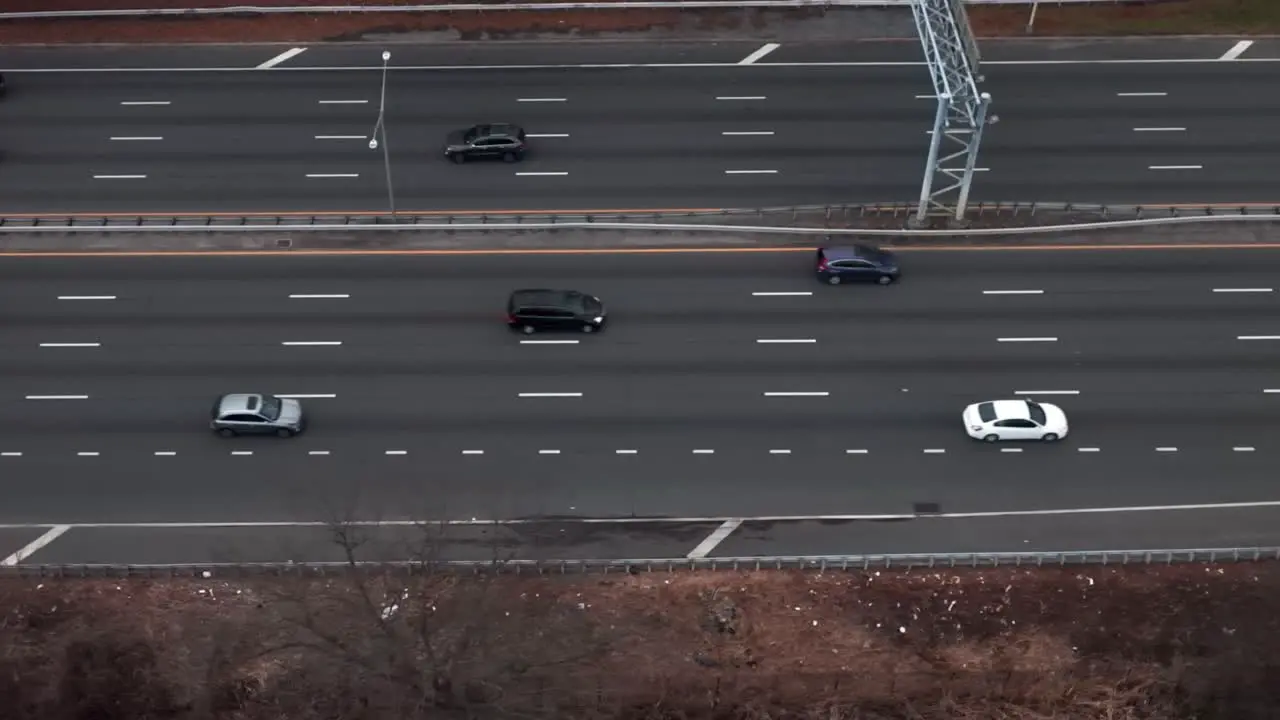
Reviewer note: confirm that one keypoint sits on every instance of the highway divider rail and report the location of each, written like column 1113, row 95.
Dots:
column 499, row 5
column 818, row 563
column 888, row 219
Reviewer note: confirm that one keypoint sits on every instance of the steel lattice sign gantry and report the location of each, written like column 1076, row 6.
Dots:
column 952, row 56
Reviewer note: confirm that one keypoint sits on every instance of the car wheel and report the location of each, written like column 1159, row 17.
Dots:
column 509, row 157
column 284, row 433
column 833, row 280
column 1050, row 437
column 227, row 432
column 588, row 328
column 990, row 438
column 527, row 329
column 458, row 158
column 885, row 279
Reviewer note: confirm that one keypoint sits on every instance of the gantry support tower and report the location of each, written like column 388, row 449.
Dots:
column 952, row 55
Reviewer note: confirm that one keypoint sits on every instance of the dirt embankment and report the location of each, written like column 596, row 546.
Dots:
column 1084, row 643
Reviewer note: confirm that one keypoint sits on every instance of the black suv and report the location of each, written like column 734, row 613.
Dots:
column 534, row 309
column 496, row 140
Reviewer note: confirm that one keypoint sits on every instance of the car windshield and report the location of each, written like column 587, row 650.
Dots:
column 270, row 407
column 987, row 411
column 593, row 305
column 471, row 134
column 1037, row 413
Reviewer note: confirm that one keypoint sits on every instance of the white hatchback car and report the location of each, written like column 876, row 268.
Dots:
column 1015, row 420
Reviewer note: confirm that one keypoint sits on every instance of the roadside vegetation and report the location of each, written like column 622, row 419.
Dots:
column 1169, row 17
column 1077, row 643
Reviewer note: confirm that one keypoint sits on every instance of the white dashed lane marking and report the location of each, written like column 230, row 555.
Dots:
column 1026, row 339
column 1167, row 449
column 396, row 452
column 548, row 452
column 310, row 343
column 782, row 294
column 1242, row 290
column 318, row 452
column 139, row 103
column 344, row 102
column 1046, row 392
column 541, row 174
column 1160, row 129
column 330, row 176
column 472, row 452
column 88, row 453
column 335, row 296
column 858, row 451
column 550, row 395
column 542, row 100
column 1010, row 450
column 626, row 452
column 704, row 451
column 1242, row 449
column 10, row 453
column 341, row 137
column 1175, row 167
column 1012, row 292
column 57, row 397
column 743, row 133
column 934, row 451
column 548, row 135
column 1142, row 94
column 70, row 345
column 165, row 453
column 119, row 177
column 136, row 138
column 241, row 452
column 780, row 452
column 86, row 297
column 786, row 341
column 750, row 172
column 1258, row 337
column 1088, row 449
column 816, row 393
column 741, row 97
column 549, row 342
column 307, row 396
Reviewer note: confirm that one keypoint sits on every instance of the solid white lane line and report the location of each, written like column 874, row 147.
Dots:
column 318, row 452
column 57, row 397
column 310, row 343
column 1089, row 449
column 704, row 452
column 1242, row 449
column 541, row 174
column 747, row 132
column 1175, row 167
column 547, row 135
column 10, row 454
column 1160, row 129
column 341, row 137
column 1010, row 450
column 1258, row 337
column 88, row 453
column 782, row 294
column 550, row 342
column 36, row 545
column 541, row 99
column 305, row 396
column 761, row 52
column 396, row 452
column 740, row 97
column 705, row 547
column 1242, row 290
column 625, row 452
column 750, row 172
column 241, row 452
column 281, row 58
column 548, row 452
column 934, row 451
column 344, row 102
column 1027, row 339
column 139, row 138
column 1237, row 50
column 134, row 103
column 86, row 297
column 70, row 345
column 1166, row 449
column 472, row 452
column 165, row 453
column 797, row 394
column 119, row 177
column 855, row 452
column 787, row 341
column 780, row 452
column 341, row 296
column 1012, row 292
column 550, row 395
column 1046, row 392
column 1142, row 94
column 320, row 176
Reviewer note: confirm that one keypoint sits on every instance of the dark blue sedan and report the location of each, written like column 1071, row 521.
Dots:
column 856, row 263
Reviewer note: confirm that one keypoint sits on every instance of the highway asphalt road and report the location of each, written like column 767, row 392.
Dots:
column 1164, row 360
column 680, row 127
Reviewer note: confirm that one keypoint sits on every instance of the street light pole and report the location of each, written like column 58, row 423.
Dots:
column 382, row 125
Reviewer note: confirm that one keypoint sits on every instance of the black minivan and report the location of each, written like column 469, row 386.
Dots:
column 531, row 310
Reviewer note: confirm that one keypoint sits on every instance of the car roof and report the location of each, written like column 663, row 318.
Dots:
column 239, row 403
column 852, row 252
column 544, row 297
column 498, row 129
column 1012, row 410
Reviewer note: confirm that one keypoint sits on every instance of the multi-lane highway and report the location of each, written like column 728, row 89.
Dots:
column 623, row 126
column 730, row 385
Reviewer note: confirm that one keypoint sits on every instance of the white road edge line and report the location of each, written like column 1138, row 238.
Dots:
column 86, row 297
column 287, row 54
column 35, row 546
column 1027, row 339
column 1237, row 50
column 782, row 294
column 342, row 296
column 57, row 397
column 1012, row 292
column 70, row 345
column 760, row 53
column 708, row 544
column 1242, row 290
column 797, row 394
column 550, row 395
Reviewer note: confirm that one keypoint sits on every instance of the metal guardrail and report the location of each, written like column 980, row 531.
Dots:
column 564, row 567
column 1014, row 218
column 498, row 5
